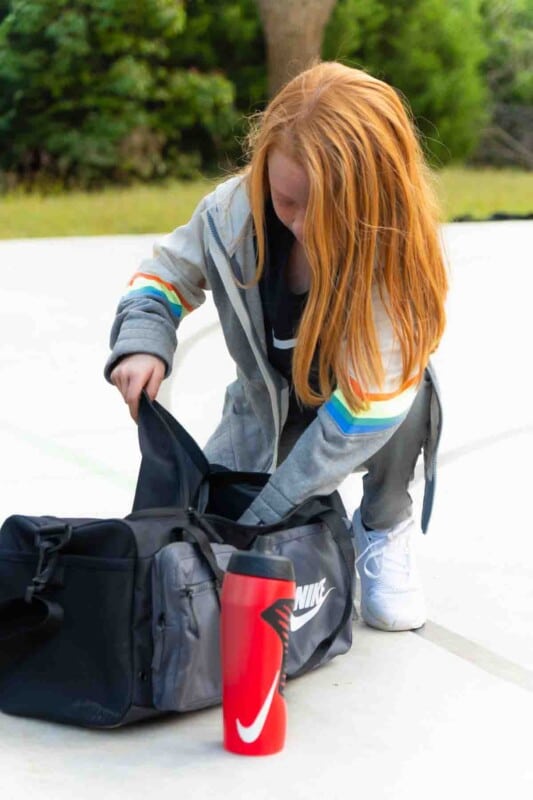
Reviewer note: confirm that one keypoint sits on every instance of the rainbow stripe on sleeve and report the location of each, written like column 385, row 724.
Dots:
column 144, row 285
column 384, row 410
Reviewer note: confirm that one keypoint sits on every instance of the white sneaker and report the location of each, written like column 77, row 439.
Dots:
column 391, row 594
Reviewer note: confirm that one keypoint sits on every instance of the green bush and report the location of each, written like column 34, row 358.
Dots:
column 228, row 37
column 430, row 50
column 508, row 69
column 114, row 91
column 88, row 95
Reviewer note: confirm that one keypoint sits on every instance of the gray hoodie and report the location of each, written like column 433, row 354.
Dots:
column 215, row 251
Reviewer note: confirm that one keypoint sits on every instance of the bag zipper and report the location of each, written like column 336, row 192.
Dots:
column 189, row 592
column 159, row 642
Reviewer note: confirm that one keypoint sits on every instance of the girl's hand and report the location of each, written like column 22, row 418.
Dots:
column 135, row 373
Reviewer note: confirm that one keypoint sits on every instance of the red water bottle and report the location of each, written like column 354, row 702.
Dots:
column 257, row 601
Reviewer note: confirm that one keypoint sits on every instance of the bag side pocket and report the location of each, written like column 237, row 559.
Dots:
column 186, row 670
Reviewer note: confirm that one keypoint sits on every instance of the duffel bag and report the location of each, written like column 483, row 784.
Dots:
column 105, row 622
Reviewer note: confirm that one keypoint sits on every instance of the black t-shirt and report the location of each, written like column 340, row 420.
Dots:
column 282, row 311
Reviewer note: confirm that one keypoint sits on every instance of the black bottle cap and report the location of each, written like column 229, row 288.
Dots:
column 261, row 565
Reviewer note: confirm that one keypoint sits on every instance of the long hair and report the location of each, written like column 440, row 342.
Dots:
column 371, row 222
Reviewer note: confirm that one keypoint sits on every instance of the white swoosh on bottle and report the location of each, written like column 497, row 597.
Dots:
column 249, row 733
column 302, row 619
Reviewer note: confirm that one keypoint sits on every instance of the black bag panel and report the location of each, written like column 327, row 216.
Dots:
column 231, row 493
column 155, row 528
column 142, row 635
column 16, row 572
column 173, row 467
column 82, row 674
column 111, row 538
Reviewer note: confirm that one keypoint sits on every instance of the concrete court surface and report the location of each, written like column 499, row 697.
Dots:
column 445, row 711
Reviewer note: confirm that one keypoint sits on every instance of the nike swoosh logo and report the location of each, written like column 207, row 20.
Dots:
column 283, row 344
column 302, row 619
column 249, row 733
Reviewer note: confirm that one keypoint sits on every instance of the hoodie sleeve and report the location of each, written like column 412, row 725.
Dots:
column 165, row 289
column 340, row 439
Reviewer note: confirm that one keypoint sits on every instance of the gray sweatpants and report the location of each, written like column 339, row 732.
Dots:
column 386, row 499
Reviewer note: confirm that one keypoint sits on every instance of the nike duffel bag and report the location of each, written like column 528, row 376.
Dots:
column 105, row 622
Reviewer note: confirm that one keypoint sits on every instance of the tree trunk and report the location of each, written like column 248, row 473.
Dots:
column 293, row 30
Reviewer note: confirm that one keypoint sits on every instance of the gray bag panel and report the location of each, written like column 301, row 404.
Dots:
column 186, row 665
column 322, row 592
column 186, row 670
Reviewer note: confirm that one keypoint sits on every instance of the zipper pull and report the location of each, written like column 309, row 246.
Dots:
column 195, row 627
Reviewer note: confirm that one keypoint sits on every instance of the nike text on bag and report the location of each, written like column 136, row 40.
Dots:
column 107, row 621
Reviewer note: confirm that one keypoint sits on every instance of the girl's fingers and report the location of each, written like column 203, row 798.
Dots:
column 152, row 387
column 116, row 379
column 135, row 373
column 136, row 384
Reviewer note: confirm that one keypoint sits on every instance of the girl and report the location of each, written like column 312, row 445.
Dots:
column 325, row 267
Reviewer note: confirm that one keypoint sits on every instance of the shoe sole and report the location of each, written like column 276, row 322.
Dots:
column 374, row 622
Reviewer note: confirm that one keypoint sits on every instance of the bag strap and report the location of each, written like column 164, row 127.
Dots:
column 30, row 620
column 193, row 526
column 201, row 539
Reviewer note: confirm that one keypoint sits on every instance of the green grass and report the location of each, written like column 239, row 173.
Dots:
column 157, row 209
column 139, row 209
column 482, row 192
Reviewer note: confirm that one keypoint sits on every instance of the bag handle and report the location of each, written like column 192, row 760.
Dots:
column 243, row 536
column 201, row 539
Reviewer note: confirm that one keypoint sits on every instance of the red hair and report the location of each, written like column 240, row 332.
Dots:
column 371, row 220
